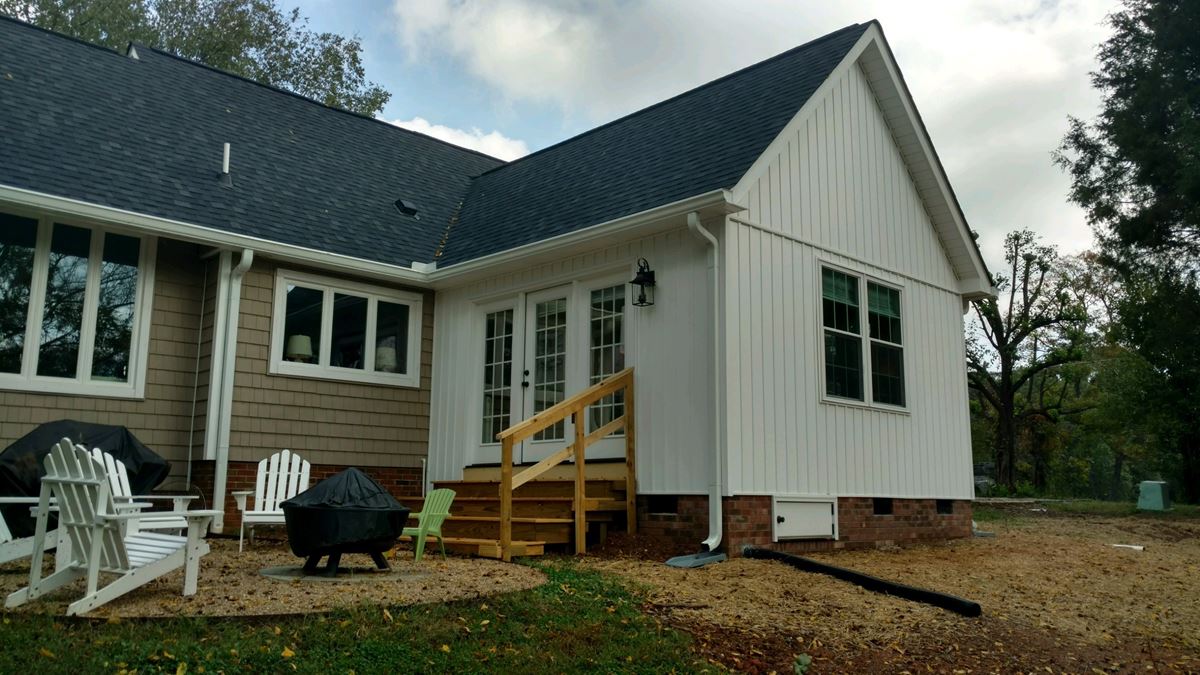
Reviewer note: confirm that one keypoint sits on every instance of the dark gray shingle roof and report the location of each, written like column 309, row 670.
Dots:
column 145, row 135
column 702, row 140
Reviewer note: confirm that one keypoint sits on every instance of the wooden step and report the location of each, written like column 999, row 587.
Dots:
column 484, row 548
column 483, row 527
column 595, row 489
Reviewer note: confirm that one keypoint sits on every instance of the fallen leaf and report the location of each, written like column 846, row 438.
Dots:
column 287, row 653
column 46, row 653
column 446, row 648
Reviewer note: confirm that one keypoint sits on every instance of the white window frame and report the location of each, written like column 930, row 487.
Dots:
column 864, row 338
column 321, row 370
column 139, row 340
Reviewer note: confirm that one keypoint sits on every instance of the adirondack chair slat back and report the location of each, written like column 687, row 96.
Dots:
column 82, row 490
column 281, row 476
column 5, row 534
column 118, row 476
column 436, row 508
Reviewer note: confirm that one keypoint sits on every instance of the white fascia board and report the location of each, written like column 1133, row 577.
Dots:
column 936, row 187
column 644, row 223
column 423, row 275
column 199, row 234
column 944, row 193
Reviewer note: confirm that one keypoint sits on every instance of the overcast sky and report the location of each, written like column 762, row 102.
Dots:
column 994, row 79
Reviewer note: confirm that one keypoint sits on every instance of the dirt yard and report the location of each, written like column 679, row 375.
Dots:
column 231, row 584
column 1056, row 596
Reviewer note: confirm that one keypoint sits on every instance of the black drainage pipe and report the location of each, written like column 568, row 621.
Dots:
column 950, row 602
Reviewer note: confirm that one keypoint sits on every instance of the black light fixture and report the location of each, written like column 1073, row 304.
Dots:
column 644, row 280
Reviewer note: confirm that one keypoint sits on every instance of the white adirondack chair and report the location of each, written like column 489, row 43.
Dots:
column 14, row 548
column 80, row 487
column 280, row 477
column 118, row 479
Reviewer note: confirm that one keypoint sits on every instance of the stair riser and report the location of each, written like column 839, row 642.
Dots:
column 595, row 490
column 551, row 533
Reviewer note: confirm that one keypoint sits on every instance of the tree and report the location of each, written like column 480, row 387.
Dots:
column 252, row 38
column 1136, row 171
column 1038, row 327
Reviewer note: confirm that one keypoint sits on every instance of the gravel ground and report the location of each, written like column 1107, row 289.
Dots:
column 231, row 584
column 1055, row 595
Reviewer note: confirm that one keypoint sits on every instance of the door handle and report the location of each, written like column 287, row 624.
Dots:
column 779, row 519
column 525, row 378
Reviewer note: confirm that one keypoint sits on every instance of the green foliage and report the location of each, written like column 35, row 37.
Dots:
column 1137, row 168
column 802, row 664
column 578, row 621
column 253, row 38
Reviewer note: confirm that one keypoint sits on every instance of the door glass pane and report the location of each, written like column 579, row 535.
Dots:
column 550, row 362
column 606, row 325
column 18, row 238
column 302, row 325
column 391, row 338
column 62, row 319
column 349, row 331
column 115, row 312
column 497, row 373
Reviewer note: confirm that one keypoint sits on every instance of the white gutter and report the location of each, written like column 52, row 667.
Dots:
column 199, row 234
column 716, row 201
column 227, row 366
column 714, row 487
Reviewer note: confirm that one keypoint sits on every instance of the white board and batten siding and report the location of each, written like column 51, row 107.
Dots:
column 836, row 191
column 669, row 345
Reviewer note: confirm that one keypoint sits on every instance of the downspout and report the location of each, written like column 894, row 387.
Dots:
column 714, row 488
column 229, row 353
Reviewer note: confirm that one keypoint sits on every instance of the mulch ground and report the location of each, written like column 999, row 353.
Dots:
column 1056, row 597
column 231, row 584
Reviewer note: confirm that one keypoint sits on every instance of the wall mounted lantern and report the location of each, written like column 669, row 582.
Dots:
column 644, row 280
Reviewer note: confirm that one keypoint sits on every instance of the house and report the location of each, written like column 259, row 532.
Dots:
column 229, row 269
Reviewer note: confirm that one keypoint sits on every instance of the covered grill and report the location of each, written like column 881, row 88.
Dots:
column 345, row 513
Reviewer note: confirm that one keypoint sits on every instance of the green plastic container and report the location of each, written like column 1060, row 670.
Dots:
column 1153, row 496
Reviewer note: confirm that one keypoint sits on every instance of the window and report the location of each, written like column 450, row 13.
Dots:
column 847, row 348
column 72, row 315
column 945, row 507
column 497, row 372
column 606, row 325
column 342, row 330
column 881, row 506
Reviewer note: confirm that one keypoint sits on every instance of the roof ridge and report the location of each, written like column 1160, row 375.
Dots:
column 665, row 101
column 280, row 90
column 158, row 50
column 25, row 24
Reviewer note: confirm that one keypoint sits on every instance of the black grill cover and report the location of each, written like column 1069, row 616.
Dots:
column 348, row 512
column 21, row 468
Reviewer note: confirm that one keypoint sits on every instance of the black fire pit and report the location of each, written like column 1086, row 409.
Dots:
column 345, row 513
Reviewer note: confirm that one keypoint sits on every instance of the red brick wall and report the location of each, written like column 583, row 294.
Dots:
column 747, row 520
column 400, row 481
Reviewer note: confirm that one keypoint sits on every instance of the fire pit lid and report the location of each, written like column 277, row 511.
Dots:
column 347, row 489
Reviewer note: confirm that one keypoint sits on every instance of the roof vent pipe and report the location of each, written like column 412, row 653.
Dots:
column 226, row 179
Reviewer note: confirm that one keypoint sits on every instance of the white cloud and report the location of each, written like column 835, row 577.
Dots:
column 492, row 143
column 994, row 79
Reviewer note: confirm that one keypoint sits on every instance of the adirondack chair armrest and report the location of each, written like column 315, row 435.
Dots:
column 189, row 515
column 18, row 500
column 240, row 496
column 185, row 498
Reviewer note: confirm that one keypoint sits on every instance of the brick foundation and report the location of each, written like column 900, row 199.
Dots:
column 401, row 482
column 747, row 520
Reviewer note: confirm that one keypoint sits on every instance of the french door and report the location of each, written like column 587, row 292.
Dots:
column 540, row 348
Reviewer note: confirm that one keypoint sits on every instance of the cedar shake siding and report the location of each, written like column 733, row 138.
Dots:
column 327, row 422
column 163, row 418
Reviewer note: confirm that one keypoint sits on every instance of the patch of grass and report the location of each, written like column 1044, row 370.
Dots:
column 983, row 513
column 579, row 620
column 1096, row 507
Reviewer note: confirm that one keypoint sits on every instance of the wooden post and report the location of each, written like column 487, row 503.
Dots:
column 580, row 482
column 630, row 460
column 506, row 474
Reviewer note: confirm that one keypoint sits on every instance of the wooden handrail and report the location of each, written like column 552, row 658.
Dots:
column 574, row 407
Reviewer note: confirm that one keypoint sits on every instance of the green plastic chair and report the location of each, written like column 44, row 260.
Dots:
column 429, row 521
